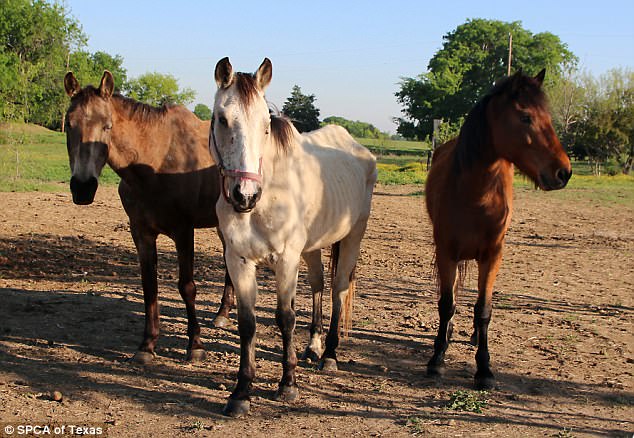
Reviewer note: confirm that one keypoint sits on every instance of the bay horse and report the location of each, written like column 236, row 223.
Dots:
column 469, row 197
column 169, row 185
column 284, row 197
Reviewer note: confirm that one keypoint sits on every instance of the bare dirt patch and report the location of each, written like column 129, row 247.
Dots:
column 561, row 337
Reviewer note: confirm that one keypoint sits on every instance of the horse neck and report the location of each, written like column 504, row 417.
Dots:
column 157, row 144
column 490, row 182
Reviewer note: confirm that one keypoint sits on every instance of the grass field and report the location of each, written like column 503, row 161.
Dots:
column 33, row 158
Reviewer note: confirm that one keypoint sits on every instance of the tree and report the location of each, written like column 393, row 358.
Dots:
column 606, row 127
column 355, row 128
column 35, row 40
column 202, row 111
column 300, row 108
column 472, row 58
column 158, row 89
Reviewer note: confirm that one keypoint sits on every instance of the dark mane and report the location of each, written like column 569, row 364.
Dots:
column 134, row 109
column 474, row 133
column 139, row 111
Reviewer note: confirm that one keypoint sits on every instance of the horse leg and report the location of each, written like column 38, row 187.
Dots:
column 314, row 349
column 487, row 271
column 187, row 288
column 145, row 242
column 238, row 404
column 228, row 296
column 286, row 278
column 447, row 270
column 348, row 254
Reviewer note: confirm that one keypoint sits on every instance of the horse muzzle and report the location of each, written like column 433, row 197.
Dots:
column 556, row 180
column 244, row 202
column 83, row 191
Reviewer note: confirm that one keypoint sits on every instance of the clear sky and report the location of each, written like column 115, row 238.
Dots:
column 349, row 54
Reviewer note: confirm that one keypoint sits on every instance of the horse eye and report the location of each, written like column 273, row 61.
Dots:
column 526, row 119
column 107, row 127
column 223, row 121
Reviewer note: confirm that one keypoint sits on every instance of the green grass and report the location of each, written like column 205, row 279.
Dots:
column 35, row 159
column 469, row 401
column 395, row 147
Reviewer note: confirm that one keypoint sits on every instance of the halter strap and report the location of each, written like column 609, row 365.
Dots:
column 224, row 172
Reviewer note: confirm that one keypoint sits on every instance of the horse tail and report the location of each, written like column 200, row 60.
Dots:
column 345, row 318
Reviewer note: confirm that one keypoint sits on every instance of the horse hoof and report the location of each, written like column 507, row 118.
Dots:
column 484, row 380
column 286, row 393
column 143, row 357
column 221, row 321
column 310, row 355
column 236, row 408
column 435, row 370
column 329, row 365
column 196, row 355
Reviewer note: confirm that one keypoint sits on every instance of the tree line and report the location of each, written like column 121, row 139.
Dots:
column 594, row 116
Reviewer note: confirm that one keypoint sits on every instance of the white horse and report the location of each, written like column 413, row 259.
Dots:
column 285, row 197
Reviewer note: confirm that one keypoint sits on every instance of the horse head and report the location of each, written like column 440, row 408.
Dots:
column 240, row 132
column 88, row 133
column 521, row 131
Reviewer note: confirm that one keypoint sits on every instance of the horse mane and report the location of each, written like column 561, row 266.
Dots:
column 135, row 110
column 139, row 111
column 474, row 133
column 282, row 128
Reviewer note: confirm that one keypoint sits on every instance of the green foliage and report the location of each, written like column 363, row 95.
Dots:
column 158, row 89
column 202, row 111
column 470, row 401
column 35, row 39
column 606, row 127
column 355, row 128
column 89, row 67
column 472, row 58
column 300, row 108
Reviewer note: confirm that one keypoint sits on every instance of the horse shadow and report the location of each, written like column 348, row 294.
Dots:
column 83, row 330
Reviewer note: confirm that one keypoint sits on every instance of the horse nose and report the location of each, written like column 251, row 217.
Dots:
column 83, row 190
column 563, row 175
column 244, row 202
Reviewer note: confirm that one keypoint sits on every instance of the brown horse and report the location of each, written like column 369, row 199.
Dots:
column 169, row 185
column 469, row 195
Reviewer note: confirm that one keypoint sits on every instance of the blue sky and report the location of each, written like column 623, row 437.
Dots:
column 350, row 54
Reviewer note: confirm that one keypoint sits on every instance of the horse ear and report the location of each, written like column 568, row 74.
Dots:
column 540, row 77
column 71, row 84
column 516, row 80
column 264, row 74
column 106, row 88
column 224, row 73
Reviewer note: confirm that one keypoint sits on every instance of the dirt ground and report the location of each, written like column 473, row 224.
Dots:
column 561, row 338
